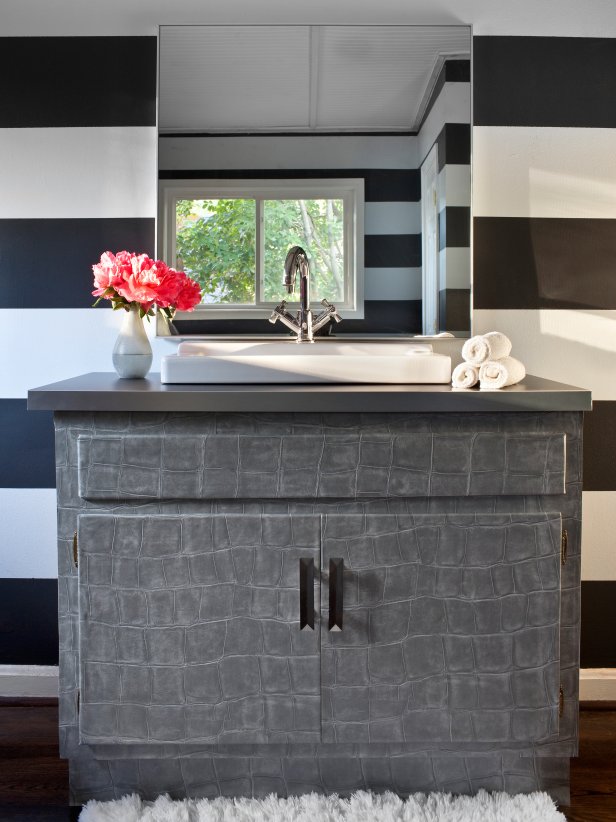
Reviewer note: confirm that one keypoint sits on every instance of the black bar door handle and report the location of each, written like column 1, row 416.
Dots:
column 336, row 573
column 306, row 594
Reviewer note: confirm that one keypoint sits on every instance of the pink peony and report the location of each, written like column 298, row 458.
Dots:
column 189, row 296
column 110, row 272
column 170, row 286
column 141, row 286
column 127, row 279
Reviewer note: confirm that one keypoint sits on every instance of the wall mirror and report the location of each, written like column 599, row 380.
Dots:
column 351, row 141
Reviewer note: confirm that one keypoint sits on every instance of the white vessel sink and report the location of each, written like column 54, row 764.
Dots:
column 324, row 361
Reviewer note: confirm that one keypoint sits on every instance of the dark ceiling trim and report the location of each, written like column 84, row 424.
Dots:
column 288, row 134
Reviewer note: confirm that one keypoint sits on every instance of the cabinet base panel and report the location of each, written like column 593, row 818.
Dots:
column 259, row 776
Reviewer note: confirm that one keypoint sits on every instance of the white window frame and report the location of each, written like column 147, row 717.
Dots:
column 350, row 190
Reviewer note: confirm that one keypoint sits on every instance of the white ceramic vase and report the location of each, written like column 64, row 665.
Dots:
column 132, row 352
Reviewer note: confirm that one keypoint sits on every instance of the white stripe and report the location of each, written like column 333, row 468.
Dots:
column 454, row 268
column 29, row 680
column 392, row 283
column 454, row 185
column 598, row 529
column 598, row 684
column 544, row 172
column 550, row 18
column 574, row 347
column 28, row 517
column 392, row 218
column 42, row 345
column 78, row 172
column 453, row 105
column 280, row 152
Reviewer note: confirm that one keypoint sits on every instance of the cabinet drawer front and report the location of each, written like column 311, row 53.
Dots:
column 450, row 631
column 189, row 630
column 220, row 466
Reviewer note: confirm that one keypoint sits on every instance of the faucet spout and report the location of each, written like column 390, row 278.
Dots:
column 297, row 265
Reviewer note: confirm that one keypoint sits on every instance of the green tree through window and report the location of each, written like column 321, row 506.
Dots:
column 216, row 241
column 216, row 244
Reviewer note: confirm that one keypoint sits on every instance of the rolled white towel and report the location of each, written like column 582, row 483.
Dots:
column 484, row 347
column 465, row 375
column 500, row 373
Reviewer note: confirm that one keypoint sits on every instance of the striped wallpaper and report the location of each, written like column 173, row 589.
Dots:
column 78, row 148
column 77, row 176
column 544, row 234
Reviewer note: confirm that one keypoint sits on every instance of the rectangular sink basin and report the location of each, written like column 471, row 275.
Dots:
column 324, row 361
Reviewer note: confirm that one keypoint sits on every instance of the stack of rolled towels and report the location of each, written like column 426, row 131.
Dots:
column 487, row 361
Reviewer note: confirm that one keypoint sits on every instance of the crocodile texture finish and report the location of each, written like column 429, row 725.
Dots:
column 333, row 465
column 189, row 630
column 104, row 771
column 450, row 628
column 244, row 775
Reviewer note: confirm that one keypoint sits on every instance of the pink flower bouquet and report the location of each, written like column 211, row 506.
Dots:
column 131, row 280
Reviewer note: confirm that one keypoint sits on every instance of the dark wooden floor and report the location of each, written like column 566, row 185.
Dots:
column 33, row 780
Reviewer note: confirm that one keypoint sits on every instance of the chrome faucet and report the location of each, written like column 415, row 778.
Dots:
column 302, row 324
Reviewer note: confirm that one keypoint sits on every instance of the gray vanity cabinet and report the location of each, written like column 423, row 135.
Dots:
column 189, row 630
column 443, row 650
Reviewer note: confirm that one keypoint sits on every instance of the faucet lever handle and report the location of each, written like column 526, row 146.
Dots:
column 277, row 312
column 330, row 308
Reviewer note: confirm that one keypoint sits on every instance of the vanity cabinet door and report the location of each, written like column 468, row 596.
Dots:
column 450, row 628
column 189, row 629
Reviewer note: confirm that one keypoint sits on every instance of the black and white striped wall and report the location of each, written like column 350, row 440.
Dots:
column 77, row 176
column 392, row 220
column 446, row 122
column 544, row 208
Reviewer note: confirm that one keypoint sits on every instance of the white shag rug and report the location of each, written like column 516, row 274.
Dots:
column 361, row 807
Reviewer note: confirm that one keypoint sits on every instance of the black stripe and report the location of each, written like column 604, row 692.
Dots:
column 454, row 227
column 544, row 81
column 457, row 71
column 454, row 144
column 77, row 81
column 454, row 309
column 598, row 646
column 524, row 262
column 380, row 316
column 381, row 185
column 392, row 250
column 47, row 263
column 28, row 621
column 600, row 446
column 27, row 446
column 452, row 71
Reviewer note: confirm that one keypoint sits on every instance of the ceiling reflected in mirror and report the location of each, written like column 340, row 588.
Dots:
column 301, row 78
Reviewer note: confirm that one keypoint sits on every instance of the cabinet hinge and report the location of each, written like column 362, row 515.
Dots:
column 78, row 700
column 561, row 701
column 564, row 539
column 75, row 551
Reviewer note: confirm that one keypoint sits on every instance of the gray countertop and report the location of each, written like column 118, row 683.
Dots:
column 104, row 391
